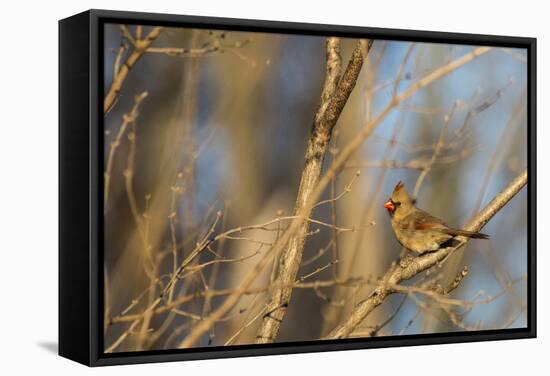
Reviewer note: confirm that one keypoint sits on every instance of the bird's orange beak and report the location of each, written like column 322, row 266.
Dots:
column 389, row 205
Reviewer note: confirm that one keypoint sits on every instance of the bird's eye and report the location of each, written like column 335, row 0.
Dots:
column 396, row 203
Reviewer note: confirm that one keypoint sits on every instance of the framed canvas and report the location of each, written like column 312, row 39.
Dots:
column 238, row 187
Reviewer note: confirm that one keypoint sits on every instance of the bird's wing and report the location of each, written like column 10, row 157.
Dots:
column 420, row 220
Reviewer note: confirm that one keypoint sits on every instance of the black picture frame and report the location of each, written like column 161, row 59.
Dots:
column 80, row 176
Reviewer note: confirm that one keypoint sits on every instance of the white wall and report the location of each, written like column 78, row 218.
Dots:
column 28, row 188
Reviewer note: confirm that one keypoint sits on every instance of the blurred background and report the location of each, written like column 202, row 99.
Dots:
column 219, row 142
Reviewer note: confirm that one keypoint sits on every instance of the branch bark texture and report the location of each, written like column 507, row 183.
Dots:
column 334, row 96
column 409, row 267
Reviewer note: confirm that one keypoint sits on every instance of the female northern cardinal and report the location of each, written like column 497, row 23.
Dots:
column 415, row 229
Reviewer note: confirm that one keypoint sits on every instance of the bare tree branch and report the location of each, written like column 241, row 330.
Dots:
column 168, row 306
column 333, row 99
column 409, row 267
column 127, row 119
column 140, row 46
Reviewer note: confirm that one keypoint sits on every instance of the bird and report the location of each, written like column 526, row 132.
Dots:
column 415, row 229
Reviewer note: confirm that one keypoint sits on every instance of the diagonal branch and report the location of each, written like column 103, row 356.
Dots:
column 333, row 99
column 140, row 47
column 409, row 267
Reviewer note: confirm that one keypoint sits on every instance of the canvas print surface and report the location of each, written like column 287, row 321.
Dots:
column 262, row 188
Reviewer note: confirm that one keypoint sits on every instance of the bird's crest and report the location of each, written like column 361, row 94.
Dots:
column 399, row 186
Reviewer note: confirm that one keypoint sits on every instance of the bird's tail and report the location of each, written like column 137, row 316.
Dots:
column 468, row 234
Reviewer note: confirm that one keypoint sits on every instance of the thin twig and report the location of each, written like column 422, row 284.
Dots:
column 127, row 119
